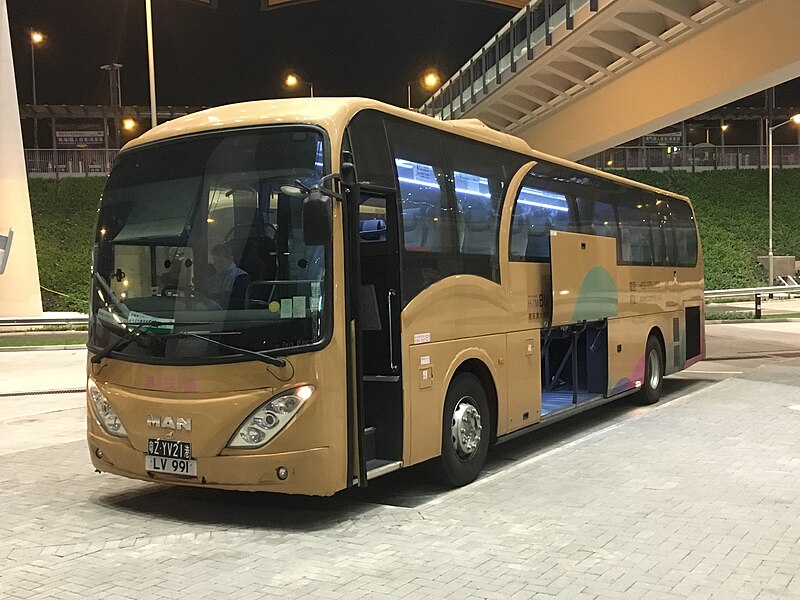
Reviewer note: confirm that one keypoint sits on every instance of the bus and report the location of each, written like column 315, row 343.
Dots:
column 302, row 295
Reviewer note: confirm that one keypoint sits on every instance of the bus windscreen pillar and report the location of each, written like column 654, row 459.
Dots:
column 19, row 281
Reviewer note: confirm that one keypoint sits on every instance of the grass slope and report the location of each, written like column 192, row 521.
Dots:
column 64, row 213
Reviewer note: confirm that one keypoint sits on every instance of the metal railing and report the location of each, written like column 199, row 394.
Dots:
column 498, row 59
column 756, row 293
column 69, row 163
column 700, row 157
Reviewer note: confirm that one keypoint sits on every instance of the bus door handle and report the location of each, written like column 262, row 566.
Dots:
column 389, row 298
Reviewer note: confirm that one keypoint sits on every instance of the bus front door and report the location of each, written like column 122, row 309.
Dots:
column 379, row 314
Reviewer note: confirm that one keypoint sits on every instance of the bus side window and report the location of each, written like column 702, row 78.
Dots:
column 604, row 219
column 685, row 229
column 636, row 246
column 536, row 212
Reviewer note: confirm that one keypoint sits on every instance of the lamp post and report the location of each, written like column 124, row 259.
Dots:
column 151, row 63
column 293, row 81
column 115, row 94
column 795, row 119
column 36, row 38
column 429, row 81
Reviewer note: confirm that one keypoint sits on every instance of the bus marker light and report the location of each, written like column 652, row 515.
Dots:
column 638, row 384
column 283, row 473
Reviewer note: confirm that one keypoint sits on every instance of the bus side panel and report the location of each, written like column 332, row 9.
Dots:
column 524, row 381
column 627, row 339
column 430, row 369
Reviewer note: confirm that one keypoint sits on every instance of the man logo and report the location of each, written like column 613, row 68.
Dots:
column 178, row 423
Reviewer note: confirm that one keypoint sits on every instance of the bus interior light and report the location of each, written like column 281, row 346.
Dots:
column 270, row 418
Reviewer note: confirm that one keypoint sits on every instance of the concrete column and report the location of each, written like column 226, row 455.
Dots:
column 19, row 284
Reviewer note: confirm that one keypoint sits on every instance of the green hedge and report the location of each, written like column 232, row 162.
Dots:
column 731, row 209
column 64, row 213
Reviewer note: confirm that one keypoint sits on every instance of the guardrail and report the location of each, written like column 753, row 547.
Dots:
column 60, row 320
column 756, row 293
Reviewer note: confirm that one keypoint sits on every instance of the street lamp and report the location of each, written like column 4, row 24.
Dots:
column 429, row 81
column 795, row 119
column 293, row 81
column 148, row 9
column 37, row 38
column 128, row 124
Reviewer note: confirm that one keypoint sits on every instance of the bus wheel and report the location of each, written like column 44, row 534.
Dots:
column 653, row 373
column 466, row 431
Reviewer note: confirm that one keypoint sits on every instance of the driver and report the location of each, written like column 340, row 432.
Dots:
column 228, row 285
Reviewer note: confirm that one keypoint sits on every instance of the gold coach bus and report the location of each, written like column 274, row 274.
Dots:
column 301, row 295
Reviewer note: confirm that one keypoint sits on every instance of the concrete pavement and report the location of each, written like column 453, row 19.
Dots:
column 695, row 497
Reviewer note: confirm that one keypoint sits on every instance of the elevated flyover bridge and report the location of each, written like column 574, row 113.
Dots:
column 574, row 77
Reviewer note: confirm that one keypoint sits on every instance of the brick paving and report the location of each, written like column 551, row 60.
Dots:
column 697, row 497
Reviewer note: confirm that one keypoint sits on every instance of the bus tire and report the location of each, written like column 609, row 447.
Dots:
column 653, row 373
column 466, row 431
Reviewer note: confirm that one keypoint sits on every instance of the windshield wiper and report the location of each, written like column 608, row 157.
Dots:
column 270, row 360
column 124, row 340
column 131, row 333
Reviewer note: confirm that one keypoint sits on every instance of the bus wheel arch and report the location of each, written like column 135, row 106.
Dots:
column 655, row 360
column 468, row 427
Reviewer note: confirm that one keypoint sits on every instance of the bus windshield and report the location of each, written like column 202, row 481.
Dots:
column 195, row 236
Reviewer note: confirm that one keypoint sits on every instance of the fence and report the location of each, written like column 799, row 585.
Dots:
column 700, row 157
column 68, row 163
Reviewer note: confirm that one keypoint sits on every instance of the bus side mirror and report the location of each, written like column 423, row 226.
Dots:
column 316, row 219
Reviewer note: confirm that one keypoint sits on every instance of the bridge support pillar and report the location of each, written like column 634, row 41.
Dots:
column 19, row 281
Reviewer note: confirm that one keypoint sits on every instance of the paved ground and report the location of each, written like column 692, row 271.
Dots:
column 696, row 497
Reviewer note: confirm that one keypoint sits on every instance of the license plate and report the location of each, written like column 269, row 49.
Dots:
column 169, row 456
column 169, row 448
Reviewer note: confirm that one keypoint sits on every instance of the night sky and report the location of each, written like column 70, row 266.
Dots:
column 208, row 57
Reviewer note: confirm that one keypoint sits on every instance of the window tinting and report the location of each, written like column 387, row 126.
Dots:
column 650, row 229
column 481, row 174
column 635, row 246
column 370, row 149
column 536, row 212
column 685, row 229
column 451, row 191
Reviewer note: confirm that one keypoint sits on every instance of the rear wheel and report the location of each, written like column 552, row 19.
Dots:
column 466, row 431
column 653, row 373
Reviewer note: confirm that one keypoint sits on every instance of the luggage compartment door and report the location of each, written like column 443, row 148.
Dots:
column 583, row 269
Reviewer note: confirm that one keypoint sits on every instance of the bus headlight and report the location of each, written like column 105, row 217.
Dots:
column 103, row 411
column 269, row 418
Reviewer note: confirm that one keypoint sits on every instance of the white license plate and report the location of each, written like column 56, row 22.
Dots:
column 174, row 466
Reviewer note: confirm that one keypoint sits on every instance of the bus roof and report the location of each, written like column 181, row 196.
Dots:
column 333, row 114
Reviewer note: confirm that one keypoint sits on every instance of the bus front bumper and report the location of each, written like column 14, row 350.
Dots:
column 307, row 471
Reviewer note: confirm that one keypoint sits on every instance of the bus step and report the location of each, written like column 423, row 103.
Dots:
column 369, row 444
column 378, row 467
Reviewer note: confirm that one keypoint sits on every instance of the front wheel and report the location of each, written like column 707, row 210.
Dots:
column 653, row 373
column 466, row 431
